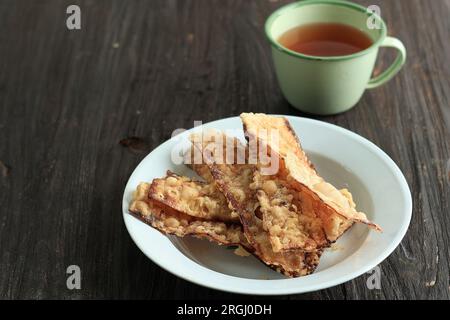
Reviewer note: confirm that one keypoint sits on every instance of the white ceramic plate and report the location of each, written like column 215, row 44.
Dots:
column 343, row 158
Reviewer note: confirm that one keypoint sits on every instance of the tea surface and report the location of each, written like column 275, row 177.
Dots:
column 325, row 39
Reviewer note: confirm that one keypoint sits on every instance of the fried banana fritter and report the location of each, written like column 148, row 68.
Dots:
column 234, row 181
column 194, row 198
column 290, row 223
column 170, row 221
column 330, row 204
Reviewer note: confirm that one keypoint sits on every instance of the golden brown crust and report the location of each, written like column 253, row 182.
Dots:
column 200, row 169
column 194, row 198
column 169, row 221
column 226, row 150
column 299, row 171
column 290, row 224
column 234, row 181
column 203, row 171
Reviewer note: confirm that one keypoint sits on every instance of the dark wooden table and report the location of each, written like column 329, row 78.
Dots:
column 142, row 69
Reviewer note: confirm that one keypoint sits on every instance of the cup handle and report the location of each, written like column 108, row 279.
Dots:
column 395, row 67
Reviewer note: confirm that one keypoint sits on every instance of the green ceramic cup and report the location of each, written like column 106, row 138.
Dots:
column 329, row 85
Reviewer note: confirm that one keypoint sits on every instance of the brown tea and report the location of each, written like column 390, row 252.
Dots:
column 325, row 39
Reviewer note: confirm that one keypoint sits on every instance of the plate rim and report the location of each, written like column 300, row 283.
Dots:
column 407, row 215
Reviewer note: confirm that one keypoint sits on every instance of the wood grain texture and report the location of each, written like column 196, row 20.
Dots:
column 143, row 68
